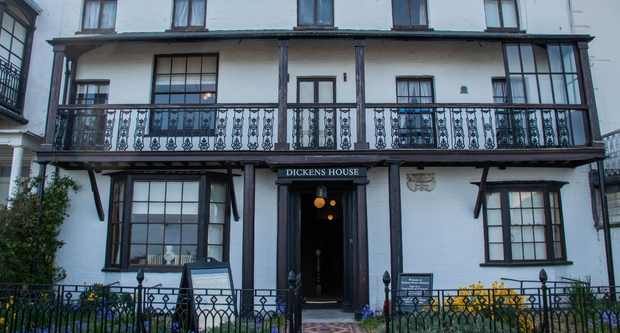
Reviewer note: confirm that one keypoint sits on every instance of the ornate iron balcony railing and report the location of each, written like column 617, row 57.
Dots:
column 612, row 153
column 254, row 127
column 10, row 84
column 476, row 126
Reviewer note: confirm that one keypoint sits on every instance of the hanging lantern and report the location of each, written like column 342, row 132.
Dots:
column 321, row 194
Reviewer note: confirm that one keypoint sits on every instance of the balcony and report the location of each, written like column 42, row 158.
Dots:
column 10, row 90
column 472, row 133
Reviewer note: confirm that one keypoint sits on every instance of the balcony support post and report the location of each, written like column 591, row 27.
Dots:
column 282, row 144
column 588, row 92
column 249, row 205
column 16, row 173
column 55, row 90
column 396, row 238
column 361, row 293
column 360, row 95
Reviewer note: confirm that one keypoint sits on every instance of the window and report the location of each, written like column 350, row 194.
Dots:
column 99, row 15
column 501, row 14
column 189, row 14
column 315, row 13
column 88, row 125
column 185, row 79
column 417, row 127
column 163, row 221
column 315, row 127
column 499, row 91
column 13, row 37
column 409, row 14
column 523, row 223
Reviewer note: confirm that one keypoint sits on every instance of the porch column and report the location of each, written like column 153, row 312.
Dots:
column 282, row 243
column 360, row 95
column 282, row 96
column 16, row 172
column 588, row 89
column 396, row 240
column 362, row 247
column 249, row 190
column 55, row 90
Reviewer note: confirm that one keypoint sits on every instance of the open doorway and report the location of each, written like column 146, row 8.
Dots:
column 322, row 250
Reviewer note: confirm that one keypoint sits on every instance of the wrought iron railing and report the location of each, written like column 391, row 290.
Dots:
column 140, row 309
column 475, row 126
column 166, row 128
column 565, row 308
column 321, row 126
column 254, row 127
column 10, row 84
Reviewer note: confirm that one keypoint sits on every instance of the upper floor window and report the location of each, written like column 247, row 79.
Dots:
column 315, row 13
column 91, row 92
column 169, row 221
column 88, row 126
column 99, row 15
column 189, row 14
column 523, row 223
column 499, row 91
column 501, row 14
column 416, row 127
column 13, row 36
column 410, row 14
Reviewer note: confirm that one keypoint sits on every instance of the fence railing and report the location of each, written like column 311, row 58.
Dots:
column 569, row 307
column 140, row 309
column 10, row 84
column 254, row 127
column 475, row 126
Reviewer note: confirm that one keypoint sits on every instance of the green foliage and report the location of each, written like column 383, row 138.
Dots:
column 372, row 324
column 29, row 237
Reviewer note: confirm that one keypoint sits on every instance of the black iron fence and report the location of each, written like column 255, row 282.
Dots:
column 140, row 309
column 573, row 307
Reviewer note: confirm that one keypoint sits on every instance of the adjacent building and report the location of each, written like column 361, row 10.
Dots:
column 334, row 138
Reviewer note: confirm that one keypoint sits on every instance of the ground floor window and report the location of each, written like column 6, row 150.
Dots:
column 167, row 221
column 523, row 223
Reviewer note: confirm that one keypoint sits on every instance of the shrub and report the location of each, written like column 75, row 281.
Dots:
column 29, row 237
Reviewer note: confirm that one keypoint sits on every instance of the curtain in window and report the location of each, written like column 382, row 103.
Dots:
column 108, row 15
column 499, row 91
column 91, row 15
column 181, row 13
column 306, row 12
column 418, row 14
column 426, row 92
column 509, row 14
column 198, row 13
column 324, row 12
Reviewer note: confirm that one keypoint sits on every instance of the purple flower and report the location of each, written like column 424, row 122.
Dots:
column 610, row 318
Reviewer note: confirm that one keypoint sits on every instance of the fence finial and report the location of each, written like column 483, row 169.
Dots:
column 386, row 278
column 140, row 276
column 543, row 276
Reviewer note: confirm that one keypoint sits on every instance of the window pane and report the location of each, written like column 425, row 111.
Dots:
column 218, row 192
column 156, row 233
column 326, row 92
column 174, row 191
column 216, row 234
column 559, row 89
column 496, row 251
column 572, row 86
column 494, row 217
column 493, row 200
column 528, row 252
column 555, row 58
column 181, row 13
column 495, row 235
column 139, row 233
column 108, row 16
column 306, row 92
column 509, row 13
column 491, row 10
column 138, row 255
column 190, row 234
column 306, row 12
column 190, row 191
column 514, row 60
column 517, row 89
column 198, row 13
column 7, row 22
column 217, row 213
column 325, row 12
column 418, row 14
column 91, row 15
column 568, row 57
column 401, row 13
column 215, row 252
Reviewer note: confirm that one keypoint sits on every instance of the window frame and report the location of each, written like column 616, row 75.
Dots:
column 504, row 189
column 502, row 28
column 99, row 29
column 430, row 79
column 188, row 27
column 410, row 27
column 204, row 200
column 314, row 24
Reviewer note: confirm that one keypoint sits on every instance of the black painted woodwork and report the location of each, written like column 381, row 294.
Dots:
column 249, row 209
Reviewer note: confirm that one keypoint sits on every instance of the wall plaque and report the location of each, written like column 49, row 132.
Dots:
column 322, row 172
column 414, row 292
column 421, row 182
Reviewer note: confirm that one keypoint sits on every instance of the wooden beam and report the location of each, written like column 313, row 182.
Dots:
column 249, row 205
column 481, row 191
column 588, row 91
column 396, row 238
column 282, row 143
column 96, row 196
column 360, row 94
column 55, row 90
column 233, row 196
column 282, row 243
column 362, row 248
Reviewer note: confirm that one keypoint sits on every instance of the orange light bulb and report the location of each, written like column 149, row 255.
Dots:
column 319, row 203
column 330, row 217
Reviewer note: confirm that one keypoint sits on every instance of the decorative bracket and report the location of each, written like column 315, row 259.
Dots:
column 233, row 197
column 481, row 191
column 97, row 197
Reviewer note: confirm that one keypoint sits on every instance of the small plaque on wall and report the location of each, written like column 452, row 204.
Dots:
column 414, row 292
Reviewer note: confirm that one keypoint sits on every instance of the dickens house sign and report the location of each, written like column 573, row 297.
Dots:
column 337, row 172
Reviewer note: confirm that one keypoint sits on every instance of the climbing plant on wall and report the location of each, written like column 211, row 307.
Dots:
column 29, row 231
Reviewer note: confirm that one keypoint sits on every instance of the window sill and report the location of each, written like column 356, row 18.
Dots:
column 527, row 263
column 413, row 28
column 146, row 269
column 513, row 30
column 95, row 32
column 187, row 29
column 314, row 27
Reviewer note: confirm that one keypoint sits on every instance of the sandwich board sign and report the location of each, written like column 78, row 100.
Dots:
column 414, row 292
column 211, row 283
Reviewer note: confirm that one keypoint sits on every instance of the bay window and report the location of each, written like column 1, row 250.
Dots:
column 167, row 221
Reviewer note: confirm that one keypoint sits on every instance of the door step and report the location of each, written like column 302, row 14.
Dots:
column 331, row 328
column 331, row 316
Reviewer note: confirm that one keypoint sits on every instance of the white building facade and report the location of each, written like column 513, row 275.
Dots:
column 334, row 138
